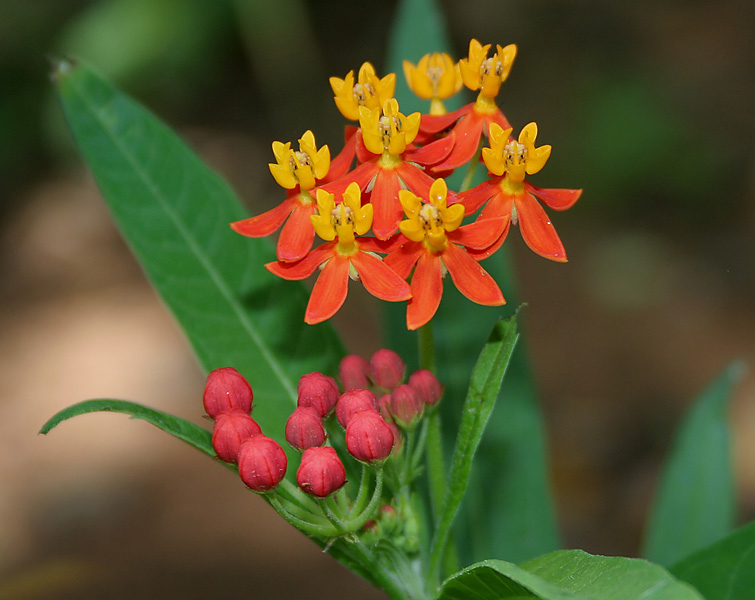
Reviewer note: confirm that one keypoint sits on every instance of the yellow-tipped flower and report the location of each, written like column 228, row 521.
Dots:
column 516, row 158
column 430, row 220
column 369, row 91
column 388, row 130
column 300, row 167
column 486, row 74
column 435, row 78
column 342, row 220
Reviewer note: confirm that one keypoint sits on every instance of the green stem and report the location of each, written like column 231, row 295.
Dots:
column 466, row 183
column 361, row 518
column 324, row 531
column 363, row 493
column 426, row 347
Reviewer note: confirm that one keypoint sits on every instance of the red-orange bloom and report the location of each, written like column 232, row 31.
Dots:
column 509, row 196
column 298, row 172
column 435, row 244
column 343, row 256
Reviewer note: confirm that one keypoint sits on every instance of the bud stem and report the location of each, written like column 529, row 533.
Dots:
column 325, row 530
column 363, row 516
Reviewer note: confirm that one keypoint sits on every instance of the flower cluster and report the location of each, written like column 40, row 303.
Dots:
column 375, row 414
column 397, row 190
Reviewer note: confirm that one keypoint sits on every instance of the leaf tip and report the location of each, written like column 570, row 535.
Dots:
column 60, row 68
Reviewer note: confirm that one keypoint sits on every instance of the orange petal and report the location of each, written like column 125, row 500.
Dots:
column 415, row 179
column 384, row 199
column 467, row 135
column 371, row 244
column 470, row 278
column 298, row 234
column 329, row 291
column 497, row 117
column 379, row 279
column 267, row 222
column 437, row 123
column 537, row 230
column 341, row 164
column 480, row 234
column 305, row 267
column 484, row 253
column 431, row 153
column 361, row 175
column 427, row 290
column 475, row 197
column 402, row 261
column 557, row 199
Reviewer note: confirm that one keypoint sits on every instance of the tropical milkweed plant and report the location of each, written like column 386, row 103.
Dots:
column 355, row 451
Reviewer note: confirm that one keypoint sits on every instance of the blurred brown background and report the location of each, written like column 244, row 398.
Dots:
column 648, row 106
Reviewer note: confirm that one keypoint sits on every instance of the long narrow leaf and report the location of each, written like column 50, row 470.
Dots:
column 483, row 391
column 192, row 434
column 174, row 213
column 566, row 575
column 694, row 506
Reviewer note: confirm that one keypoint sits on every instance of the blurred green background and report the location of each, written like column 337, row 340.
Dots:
column 648, row 106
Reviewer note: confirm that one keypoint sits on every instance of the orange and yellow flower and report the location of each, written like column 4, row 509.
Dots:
column 478, row 72
column 435, row 78
column 435, row 244
column 369, row 91
column 343, row 256
column 297, row 172
column 509, row 196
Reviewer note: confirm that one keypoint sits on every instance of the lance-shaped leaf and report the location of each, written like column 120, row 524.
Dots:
column 174, row 212
column 694, row 506
column 566, row 575
column 481, row 396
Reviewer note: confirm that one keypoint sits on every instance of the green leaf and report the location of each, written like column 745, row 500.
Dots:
column 695, row 502
column 174, row 213
column 481, row 396
column 724, row 570
column 566, row 574
column 192, row 434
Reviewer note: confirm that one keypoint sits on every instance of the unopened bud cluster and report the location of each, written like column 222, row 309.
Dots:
column 376, row 407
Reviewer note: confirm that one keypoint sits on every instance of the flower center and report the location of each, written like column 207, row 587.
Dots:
column 361, row 92
column 515, row 153
column 342, row 215
column 491, row 66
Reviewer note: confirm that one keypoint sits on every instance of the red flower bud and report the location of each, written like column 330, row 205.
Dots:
column 427, row 386
column 321, row 472
column 225, row 390
column 384, row 404
column 262, row 463
column 368, row 437
column 352, row 402
column 386, row 369
column 406, row 405
column 318, row 391
column 304, row 428
column 398, row 439
column 232, row 428
column 353, row 372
